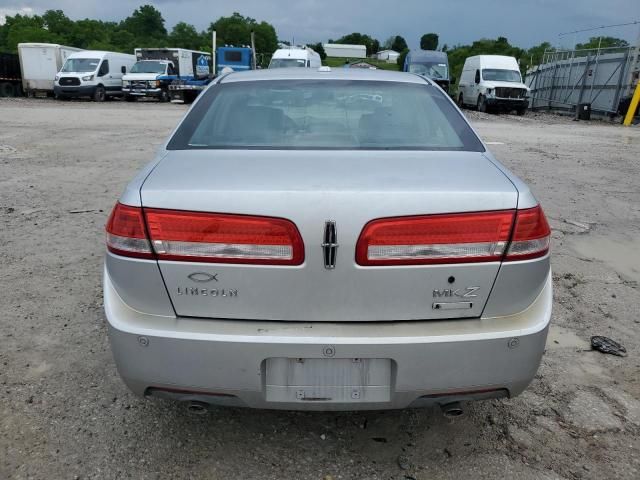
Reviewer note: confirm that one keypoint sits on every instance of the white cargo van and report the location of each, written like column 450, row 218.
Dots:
column 493, row 81
column 39, row 63
column 295, row 57
column 92, row 73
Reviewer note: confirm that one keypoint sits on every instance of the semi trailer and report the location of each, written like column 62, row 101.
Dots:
column 40, row 63
column 10, row 76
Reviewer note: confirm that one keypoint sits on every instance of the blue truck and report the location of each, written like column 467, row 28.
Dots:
column 234, row 58
column 156, row 68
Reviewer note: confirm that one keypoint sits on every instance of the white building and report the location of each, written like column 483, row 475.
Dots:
column 345, row 51
column 389, row 56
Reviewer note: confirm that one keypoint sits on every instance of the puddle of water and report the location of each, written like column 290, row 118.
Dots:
column 560, row 337
column 619, row 253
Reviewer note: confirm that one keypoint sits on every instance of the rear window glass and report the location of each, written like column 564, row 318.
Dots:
column 233, row 56
column 314, row 114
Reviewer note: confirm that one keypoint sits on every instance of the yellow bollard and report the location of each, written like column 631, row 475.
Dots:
column 632, row 107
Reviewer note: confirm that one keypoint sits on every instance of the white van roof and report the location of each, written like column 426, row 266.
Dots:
column 497, row 61
column 294, row 52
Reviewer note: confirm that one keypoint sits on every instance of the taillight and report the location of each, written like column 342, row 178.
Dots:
column 125, row 232
column 531, row 235
column 223, row 238
column 432, row 239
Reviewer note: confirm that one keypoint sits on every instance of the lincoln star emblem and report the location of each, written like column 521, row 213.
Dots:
column 330, row 244
column 202, row 277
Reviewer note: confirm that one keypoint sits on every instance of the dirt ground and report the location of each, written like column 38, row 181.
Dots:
column 64, row 413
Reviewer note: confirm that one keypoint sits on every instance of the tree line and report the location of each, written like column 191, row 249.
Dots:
column 145, row 27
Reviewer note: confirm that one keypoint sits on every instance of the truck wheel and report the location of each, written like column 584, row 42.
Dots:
column 100, row 95
column 521, row 111
column 460, row 101
column 130, row 98
column 6, row 89
column 481, row 105
column 164, row 96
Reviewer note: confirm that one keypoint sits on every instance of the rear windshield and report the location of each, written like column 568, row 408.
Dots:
column 287, row 62
column 233, row 56
column 435, row 70
column 315, row 114
column 149, row 66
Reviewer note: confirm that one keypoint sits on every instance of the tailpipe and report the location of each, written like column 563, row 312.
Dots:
column 451, row 410
column 197, row 408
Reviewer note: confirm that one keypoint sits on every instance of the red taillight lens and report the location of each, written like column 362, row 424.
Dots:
column 125, row 232
column 432, row 239
column 221, row 238
column 531, row 235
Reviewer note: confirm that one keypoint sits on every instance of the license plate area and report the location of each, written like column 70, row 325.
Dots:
column 328, row 380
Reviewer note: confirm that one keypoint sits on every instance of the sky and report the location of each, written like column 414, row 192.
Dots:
column 524, row 22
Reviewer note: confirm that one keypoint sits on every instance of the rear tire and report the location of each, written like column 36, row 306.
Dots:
column 6, row 89
column 460, row 101
column 100, row 95
column 481, row 105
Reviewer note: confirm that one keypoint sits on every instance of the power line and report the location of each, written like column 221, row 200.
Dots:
column 599, row 28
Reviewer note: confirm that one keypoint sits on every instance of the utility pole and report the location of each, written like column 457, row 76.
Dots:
column 213, row 52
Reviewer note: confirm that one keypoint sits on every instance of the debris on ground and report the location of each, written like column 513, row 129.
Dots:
column 583, row 226
column 606, row 345
column 403, row 462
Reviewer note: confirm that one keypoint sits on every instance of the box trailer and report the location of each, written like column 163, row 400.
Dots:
column 10, row 76
column 39, row 63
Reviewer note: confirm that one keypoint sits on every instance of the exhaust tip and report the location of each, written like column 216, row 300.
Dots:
column 451, row 410
column 197, row 408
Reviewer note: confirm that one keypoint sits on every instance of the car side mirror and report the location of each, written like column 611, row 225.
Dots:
column 123, row 69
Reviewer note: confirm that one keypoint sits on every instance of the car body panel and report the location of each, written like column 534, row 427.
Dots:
column 350, row 189
column 223, row 361
column 375, row 326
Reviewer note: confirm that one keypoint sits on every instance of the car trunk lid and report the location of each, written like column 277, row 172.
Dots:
column 311, row 188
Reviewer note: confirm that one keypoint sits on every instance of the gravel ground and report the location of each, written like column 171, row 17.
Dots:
column 64, row 413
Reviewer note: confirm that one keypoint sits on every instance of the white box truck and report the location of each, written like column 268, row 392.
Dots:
column 39, row 63
column 493, row 82
column 94, row 74
column 157, row 68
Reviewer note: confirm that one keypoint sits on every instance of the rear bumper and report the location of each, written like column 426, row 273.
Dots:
column 225, row 361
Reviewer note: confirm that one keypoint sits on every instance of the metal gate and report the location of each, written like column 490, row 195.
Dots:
column 600, row 77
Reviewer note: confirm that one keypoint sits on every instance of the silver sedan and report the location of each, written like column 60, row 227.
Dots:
column 326, row 240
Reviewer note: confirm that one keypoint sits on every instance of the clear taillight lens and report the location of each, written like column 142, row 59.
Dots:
column 126, row 233
column 433, row 239
column 221, row 238
column 531, row 235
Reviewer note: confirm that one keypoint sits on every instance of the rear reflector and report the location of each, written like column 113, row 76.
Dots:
column 531, row 235
column 125, row 232
column 222, row 238
column 433, row 239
